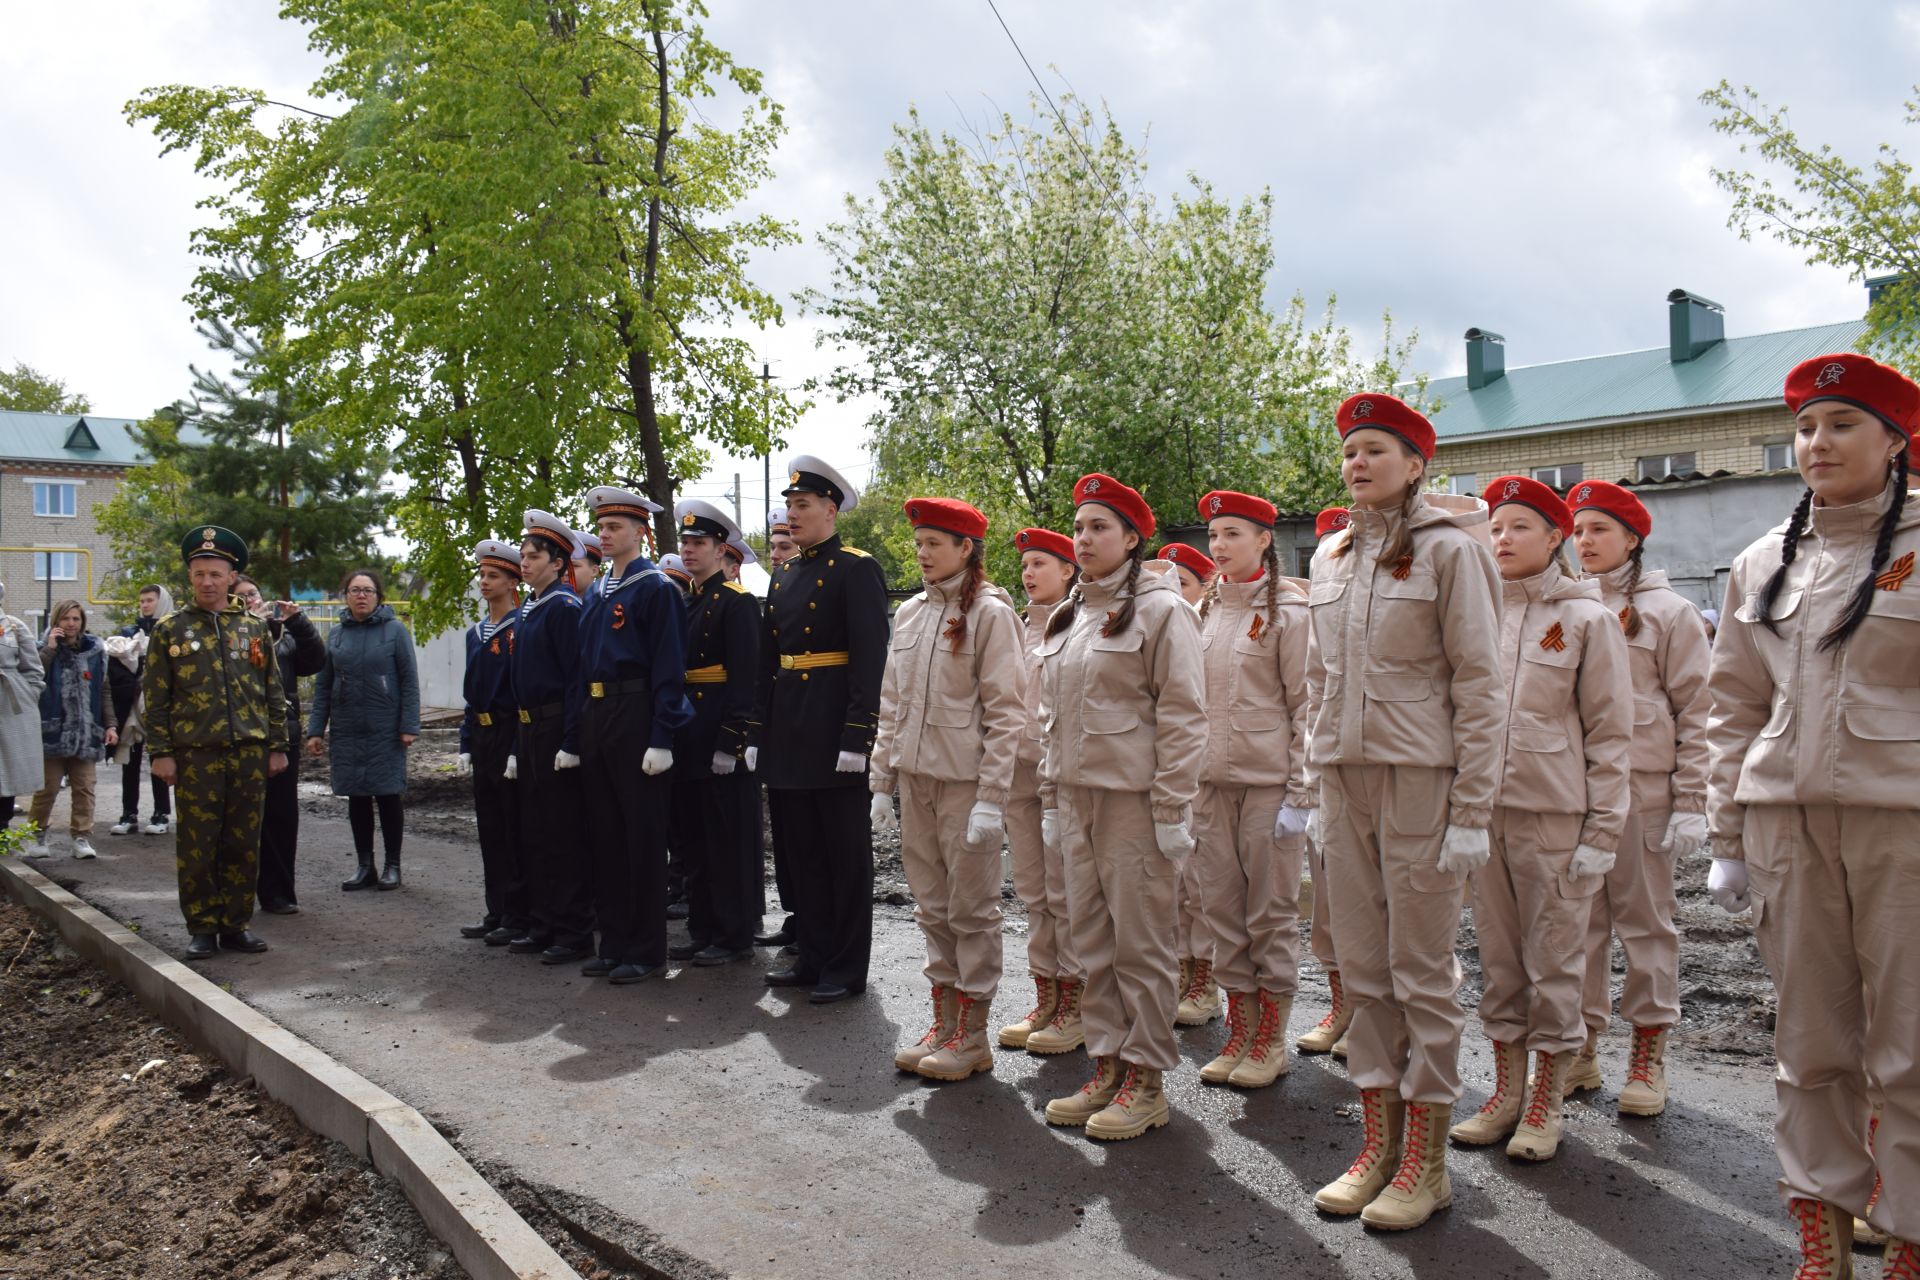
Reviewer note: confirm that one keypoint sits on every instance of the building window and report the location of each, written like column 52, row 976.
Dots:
column 1776, row 457
column 65, row 566
column 53, row 498
column 1304, row 557
column 1664, row 466
column 1564, row 476
column 1463, row 482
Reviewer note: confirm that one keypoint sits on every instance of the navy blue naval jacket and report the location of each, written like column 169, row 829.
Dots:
column 546, row 658
column 489, row 685
column 637, row 631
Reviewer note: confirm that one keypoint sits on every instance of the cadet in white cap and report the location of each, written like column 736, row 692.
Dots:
column 587, row 559
column 735, row 554
column 487, row 735
column 780, row 544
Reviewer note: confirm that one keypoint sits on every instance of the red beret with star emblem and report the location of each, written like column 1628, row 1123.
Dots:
column 949, row 515
column 1187, row 558
column 1598, row 495
column 1225, row 502
column 1529, row 492
column 1332, row 520
column 1386, row 413
column 1122, row 501
column 1054, row 544
column 1887, row 394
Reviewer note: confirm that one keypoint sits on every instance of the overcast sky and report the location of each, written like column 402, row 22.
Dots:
column 1537, row 169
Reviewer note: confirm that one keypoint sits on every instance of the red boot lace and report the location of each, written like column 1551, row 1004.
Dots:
column 1099, row 1073
column 1202, row 979
column 1413, row 1150
column 1816, row 1258
column 1264, row 1033
column 1339, row 1000
column 1069, row 1003
column 1125, row 1093
column 1236, row 1028
column 1640, row 1057
column 1373, row 1120
column 937, row 1033
column 1502, row 1081
column 1902, row 1261
column 1536, row 1117
column 960, row 1021
column 1040, row 989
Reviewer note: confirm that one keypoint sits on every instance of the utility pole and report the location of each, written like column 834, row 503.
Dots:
column 766, row 459
column 735, row 495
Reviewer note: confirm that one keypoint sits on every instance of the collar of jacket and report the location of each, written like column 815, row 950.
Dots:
column 381, row 613
column 948, row 590
column 1101, row 592
column 829, row 543
column 231, row 607
column 1860, row 519
column 1550, row 584
column 1616, row 579
column 1037, row 615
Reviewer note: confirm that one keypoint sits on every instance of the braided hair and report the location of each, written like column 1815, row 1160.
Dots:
column 1630, row 616
column 1400, row 545
column 1882, row 548
column 976, row 572
column 1789, row 547
column 1120, row 619
column 1269, row 564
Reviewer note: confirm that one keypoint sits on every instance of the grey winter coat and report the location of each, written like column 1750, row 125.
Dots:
column 370, row 693
column 22, row 763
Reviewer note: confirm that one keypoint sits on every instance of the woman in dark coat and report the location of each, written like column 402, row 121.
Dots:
column 300, row 651
column 370, row 691
column 75, row 728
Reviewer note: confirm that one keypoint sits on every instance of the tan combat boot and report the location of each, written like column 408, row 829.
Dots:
column 1381, row 1114
column 1266, row 1059
column 1497, row 1117
column 1542, row 1123
column 1092, row 1098
column 1332, row 1028
column 1420, row 1186
column 1046, row 996
column 1584, row 1073
column 1239, row 1035
column 1200, row 998
column 945, row 1002
column 1902, row 1261
column 965, row 1049
column 1140, row 1105
column 1645, row 1093
column 1826, row 1241
column 1186, row 975
column 1064, row 1033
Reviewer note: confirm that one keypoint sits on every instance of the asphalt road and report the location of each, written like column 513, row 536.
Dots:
column 762, row 1136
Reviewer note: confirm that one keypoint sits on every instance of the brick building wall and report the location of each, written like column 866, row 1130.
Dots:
column 20, row 527
column 1732, row 442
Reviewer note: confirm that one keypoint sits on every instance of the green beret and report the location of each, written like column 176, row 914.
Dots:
column 211, row 541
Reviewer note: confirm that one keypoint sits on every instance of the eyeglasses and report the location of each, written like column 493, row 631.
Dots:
column 362, row 591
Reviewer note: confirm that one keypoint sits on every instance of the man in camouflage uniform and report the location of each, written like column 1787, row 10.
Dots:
column 216, row 724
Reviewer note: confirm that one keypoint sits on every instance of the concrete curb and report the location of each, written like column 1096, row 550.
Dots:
column 460, row 1207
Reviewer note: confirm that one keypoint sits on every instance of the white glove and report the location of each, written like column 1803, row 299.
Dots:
column 986, row 824
column 1727, row 885
column 753, row 759
column 1317, row 827
column 565, row 760
column 1589, row 861
column 1291, row 822
column 850, row 762
column 512, row 771
column 657, row 760
column 1050, row 828
column 1686, row 833
column 880, row 813
column 1173, row 838
column 1464, row 849
column 723, row 763
column 462, row 765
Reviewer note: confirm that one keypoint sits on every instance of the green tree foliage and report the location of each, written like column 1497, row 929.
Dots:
column 1865, row 221
column 1025, row 312
column 512, row 252
column 27, row 390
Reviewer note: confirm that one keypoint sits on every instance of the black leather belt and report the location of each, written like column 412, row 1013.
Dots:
column 530, row 714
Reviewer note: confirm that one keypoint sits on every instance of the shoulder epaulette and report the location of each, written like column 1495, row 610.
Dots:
column 855, row 551
column 734, row 586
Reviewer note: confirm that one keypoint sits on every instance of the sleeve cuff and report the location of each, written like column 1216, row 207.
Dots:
column 1690, row 804
column 1460, row 815
column 992, row 795
column 1300, row 800
column 1599, row 840
column 1165, row 814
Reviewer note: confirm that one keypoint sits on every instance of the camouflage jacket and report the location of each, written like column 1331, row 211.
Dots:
column 211, row 680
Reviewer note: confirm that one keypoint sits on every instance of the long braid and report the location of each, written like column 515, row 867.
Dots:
column 1122, row 617
column 1062, row 616
column 1789, row 545
column 1270, row 561
column 1630, row 616
column 976, row 574
column 1400, row 545
column 1211, row 595
column 1882, row 548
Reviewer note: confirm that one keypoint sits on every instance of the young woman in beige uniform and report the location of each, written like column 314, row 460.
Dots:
column 1329, row 1034
column 1557, row 821
column 1047, row 572
column 1407, row 712
column 1199, row 990
column 951, row 715
column 1121, row 689
column 1812, row 792
column 1668, row 655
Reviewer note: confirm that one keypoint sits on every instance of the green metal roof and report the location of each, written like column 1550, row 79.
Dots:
column 1635, row 384
column 56, row 437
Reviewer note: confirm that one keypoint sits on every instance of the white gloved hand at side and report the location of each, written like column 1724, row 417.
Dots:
column 462, row 764
column 1173, row 838
column 512, row 771
column 657, row 760
column 880, row 813
column 850, row 762
column 1686, row 834
column 986, row 824
column 1291, row 822
column 1050, row 828
column 1589, row 861
column 1317, row 827
column 1727, row 885
column 753, row 759
column 565, row 760
column 723, row 763
column 1464, row 849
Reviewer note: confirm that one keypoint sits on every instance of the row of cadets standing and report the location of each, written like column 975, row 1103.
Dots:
column 1329, row 1034
column 817, row 705
column 489, row 730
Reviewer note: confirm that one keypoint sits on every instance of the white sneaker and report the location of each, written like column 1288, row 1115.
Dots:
column 39, row 849
column 124, row 827
column 158, row 826
column 83, row 848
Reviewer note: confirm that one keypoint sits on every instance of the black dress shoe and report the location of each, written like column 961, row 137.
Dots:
column 527, row 945
column 684, row 950
column 628, row 974
column 677, row 911
column 563, row 955
column 242, row 941
column 789, row 978
column 361, row 879
column 780, row 937
column 480, row 930
column 390, row 874
column 281, row 908
column 721, row 955
column 789, row 951
column 501, row 937
column 200, row 947
column 598, row 967
column 830, row 993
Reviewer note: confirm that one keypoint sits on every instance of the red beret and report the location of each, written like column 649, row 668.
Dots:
column 1598, row 495
column 1386, row 413
column 949, row 515
column 1054, row 544
column 1187, row 558
column 1530, row 493
column 1887, row 394
column 1225, row 502
column 1332, row 520
column 1124, row 502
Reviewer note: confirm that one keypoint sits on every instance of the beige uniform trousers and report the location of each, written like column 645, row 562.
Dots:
column 956, row 887
column 80, row 778
column 1836, row 893
column 1530, row 917
column 1250, row 886
column 1040, row 878
column 1322, row 939
column 1396, row 915
column 1191, row 937
column 1637, row 903
column 1120, row 900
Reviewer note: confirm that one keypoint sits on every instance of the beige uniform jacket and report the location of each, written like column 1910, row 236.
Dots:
column 1033, row 737
column 1570, row 709
column 953, row 716
column 1793, row 724
column 1668, row 664
column 1256, row 672
column 1124, row 712
column 1403, row 664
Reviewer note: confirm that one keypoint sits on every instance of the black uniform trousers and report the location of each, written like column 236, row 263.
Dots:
column 828, row 835
column 783, row 876
column 496, row 812
column 627, row 818
column 555, row 859
column 710, row 812
column 280, row 835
